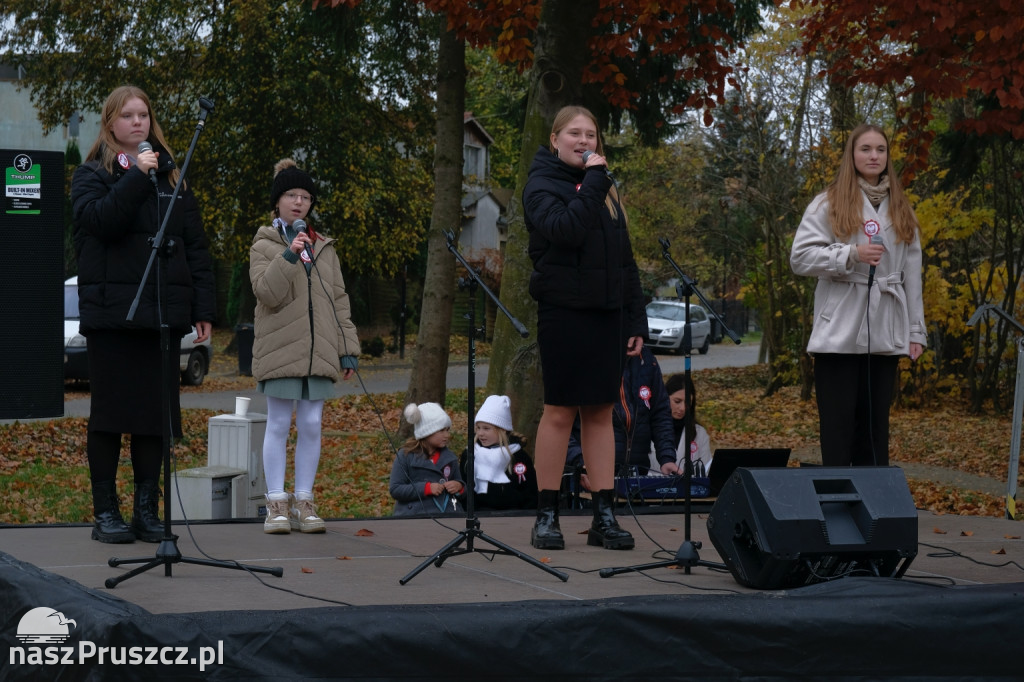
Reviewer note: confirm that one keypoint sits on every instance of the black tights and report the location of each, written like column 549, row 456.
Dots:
column 104, row 451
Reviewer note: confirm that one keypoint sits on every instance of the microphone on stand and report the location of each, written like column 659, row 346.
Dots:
column 300, row 226
column 145, row 146
column 875, row 239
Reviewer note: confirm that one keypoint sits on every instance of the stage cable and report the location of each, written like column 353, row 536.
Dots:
column 946, row 553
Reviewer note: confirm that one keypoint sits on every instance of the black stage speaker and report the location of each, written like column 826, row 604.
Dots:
column 780, row 528
column 32, row 284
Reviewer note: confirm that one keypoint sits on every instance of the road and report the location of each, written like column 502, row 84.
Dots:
column 393, row 378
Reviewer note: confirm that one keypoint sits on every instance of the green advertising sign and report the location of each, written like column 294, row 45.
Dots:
column 23, row 186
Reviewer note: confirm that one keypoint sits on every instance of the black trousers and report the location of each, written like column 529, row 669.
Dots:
column 854, row 393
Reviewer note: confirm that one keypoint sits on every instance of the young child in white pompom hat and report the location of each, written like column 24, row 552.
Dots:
column 425, row 476
column 503, row 471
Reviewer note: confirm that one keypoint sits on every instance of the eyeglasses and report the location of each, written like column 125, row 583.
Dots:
column 298, row 196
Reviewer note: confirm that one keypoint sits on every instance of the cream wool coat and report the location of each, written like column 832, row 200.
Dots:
column 895, row 305
column 291, row 340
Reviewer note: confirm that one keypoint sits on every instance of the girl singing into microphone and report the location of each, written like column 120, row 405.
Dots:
column 116, row 212
column 304, row 338
column 860, row 332
column 590, row 316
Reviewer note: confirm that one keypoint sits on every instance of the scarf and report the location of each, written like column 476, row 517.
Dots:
column 875, row 193
column 490, row 464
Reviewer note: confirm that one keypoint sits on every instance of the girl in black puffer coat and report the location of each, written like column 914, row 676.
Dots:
column 119, row 196
column 590, row 316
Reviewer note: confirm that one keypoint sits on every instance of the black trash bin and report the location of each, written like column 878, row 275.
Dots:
column 244, row 336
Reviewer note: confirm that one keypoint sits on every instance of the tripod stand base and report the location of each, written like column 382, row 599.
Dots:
column 167, row 554
column 687, row 556
column 467, row 536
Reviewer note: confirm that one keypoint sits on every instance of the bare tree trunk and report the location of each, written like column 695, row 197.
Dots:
column 427, row 382
column 555, row 81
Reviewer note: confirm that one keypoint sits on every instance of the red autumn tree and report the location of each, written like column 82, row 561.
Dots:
column 931, row 50
column 635, row 46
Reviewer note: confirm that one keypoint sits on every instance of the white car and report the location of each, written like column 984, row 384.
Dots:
column 665, row 322
column 195, row 358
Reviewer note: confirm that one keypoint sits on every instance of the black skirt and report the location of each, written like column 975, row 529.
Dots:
column 582, row 353
column 124, row 382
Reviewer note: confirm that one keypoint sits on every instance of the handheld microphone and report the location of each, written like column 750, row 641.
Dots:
column 587, row 154
column 145, row 146
column 300, row 226
column 875, row 239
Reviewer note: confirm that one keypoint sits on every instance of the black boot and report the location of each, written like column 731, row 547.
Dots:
column 109, row 526
column 605, row 530
column 546, row 533
column 146, row 522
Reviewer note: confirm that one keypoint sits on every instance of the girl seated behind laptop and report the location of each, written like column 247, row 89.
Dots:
column 682, row 397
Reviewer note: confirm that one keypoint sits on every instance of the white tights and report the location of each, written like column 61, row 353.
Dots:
column 308, row 416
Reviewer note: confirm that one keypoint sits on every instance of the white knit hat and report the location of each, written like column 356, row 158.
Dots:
column 426, row 418
column 497, row 411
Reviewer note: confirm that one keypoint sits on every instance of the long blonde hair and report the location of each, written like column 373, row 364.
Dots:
column 845, row 198
column 563, row 118
column 107, row 147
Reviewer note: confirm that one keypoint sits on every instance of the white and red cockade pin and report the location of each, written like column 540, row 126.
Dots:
column 520, row 471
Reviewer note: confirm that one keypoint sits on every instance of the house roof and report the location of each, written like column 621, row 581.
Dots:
column 500, row 195
column 470, row 122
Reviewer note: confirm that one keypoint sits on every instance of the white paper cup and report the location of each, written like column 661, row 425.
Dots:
column 241, row 406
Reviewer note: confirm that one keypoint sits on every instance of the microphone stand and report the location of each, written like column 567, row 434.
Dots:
column 472, row 530
column 1010, row 504
column 687, row 555
column 167, row 552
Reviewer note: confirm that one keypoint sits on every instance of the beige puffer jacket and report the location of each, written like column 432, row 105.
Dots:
column 294, row 337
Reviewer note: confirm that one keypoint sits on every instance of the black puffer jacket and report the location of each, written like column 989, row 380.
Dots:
column 115, row 217
column 582, row 257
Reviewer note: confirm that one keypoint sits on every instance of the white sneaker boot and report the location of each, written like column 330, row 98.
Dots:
column 303, row 515
column 277, row 514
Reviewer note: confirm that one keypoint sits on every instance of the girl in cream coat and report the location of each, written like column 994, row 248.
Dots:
column 861, row 239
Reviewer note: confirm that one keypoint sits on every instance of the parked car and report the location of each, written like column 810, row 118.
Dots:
column 665, row 322
column 195, row 358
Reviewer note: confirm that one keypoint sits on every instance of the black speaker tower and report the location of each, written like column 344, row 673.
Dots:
column 32, row 284
column 782, row 528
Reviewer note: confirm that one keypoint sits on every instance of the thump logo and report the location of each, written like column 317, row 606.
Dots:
column 44, row 631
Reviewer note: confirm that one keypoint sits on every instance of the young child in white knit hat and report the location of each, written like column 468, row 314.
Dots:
column 425, row 476
column 503, row 471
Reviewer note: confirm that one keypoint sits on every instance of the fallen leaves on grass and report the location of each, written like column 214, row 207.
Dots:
column 44, row 470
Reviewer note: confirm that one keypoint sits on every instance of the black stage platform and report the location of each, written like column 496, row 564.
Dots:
column 340, row 612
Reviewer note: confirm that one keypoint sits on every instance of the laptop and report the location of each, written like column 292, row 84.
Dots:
column 727, row 460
